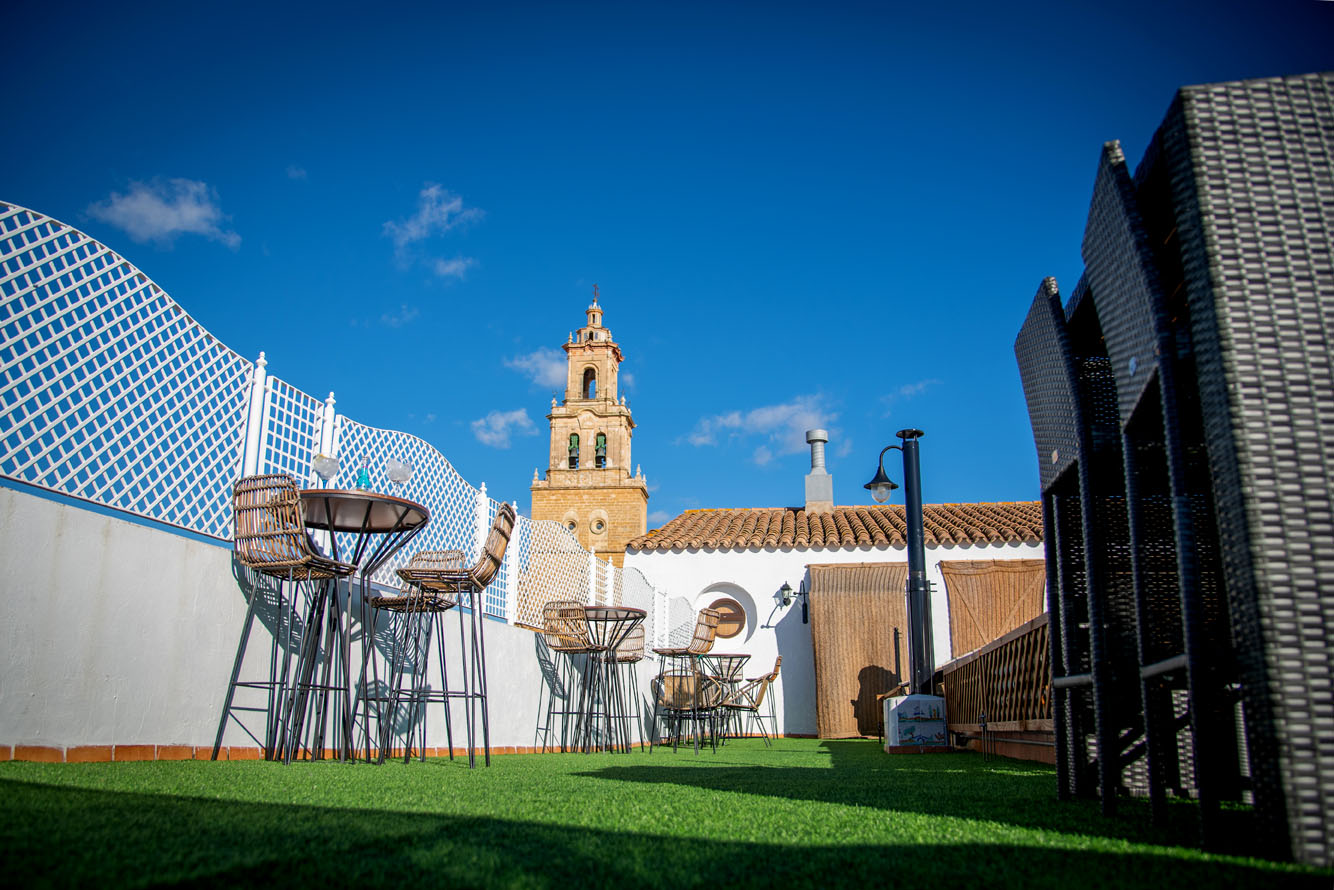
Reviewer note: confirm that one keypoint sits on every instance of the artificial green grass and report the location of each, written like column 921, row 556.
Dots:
column 800, row 813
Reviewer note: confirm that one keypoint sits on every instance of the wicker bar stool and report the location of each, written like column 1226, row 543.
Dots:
column 629, row 653
column 747, row 699
column 418, row 615
column 457, row 582
column 270, row 538
column 565, row 631
column 684, row 659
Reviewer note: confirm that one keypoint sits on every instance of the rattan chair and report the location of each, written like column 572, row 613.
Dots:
column 701, row 641
column 684, row 659
column 270, row 538
column 463, row 585
column 687, row 697
column 418, row 616
column 750, row 696
column 565, row 631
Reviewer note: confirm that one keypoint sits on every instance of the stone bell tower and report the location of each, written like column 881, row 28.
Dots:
column 589, row 487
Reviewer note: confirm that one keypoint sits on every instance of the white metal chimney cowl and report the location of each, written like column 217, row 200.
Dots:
column 819, row 484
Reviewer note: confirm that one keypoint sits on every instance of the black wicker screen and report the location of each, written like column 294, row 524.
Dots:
column 1253, row 173
column 1123, row 279
column 1212, row 278
column 1044, row 367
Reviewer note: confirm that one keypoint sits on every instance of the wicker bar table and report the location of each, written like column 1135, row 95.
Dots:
column 604, row 695
column 380, row 525
column 726, row 669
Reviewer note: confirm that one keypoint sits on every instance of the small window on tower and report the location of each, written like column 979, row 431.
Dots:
column 590, row 383
column 574, row 451
column 600, row 452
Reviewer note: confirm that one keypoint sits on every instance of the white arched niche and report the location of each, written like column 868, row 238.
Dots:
column 728, row 590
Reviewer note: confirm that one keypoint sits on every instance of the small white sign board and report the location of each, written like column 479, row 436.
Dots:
column 915, row 720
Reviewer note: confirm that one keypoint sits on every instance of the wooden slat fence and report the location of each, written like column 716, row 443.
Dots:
column 1008, row 679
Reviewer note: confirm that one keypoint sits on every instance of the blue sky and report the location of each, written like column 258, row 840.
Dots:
column 797, row 214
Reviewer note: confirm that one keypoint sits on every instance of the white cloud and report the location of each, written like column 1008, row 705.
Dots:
column 295, row 172
column 159, row 211
column 657, row 518
column 496, row 427
column 404, row 315
column 907, row 391
column 784, row 426
column 452, row 268
column 438, row 211
column 762, row 455
column 545, row 366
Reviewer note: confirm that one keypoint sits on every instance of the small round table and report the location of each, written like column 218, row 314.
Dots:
column 381, row 524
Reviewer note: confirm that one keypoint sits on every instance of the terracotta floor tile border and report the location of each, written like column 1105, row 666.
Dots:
column 39, row 753
column 88, row 754
column 132, row 753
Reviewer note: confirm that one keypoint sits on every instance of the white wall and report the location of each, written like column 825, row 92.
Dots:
column 702, row 575
column 116, row 633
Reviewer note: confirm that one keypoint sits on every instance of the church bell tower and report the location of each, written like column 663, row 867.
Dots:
column 588, row 486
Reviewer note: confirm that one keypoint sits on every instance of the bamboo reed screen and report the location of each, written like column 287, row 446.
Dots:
column 991, row 597
column 859, row 628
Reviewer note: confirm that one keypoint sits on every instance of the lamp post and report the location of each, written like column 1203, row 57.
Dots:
column 921, row 654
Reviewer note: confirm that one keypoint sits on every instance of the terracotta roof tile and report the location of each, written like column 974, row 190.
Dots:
column 1013, row 522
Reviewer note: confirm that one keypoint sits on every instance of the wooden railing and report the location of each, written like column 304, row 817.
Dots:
column 1008, row 680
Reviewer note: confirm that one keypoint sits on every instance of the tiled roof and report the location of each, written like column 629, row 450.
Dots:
column 740, row 529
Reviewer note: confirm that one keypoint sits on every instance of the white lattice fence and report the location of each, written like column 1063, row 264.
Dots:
column 435, row 484
column 293, row 423
column 604, row 583
column 552, row 566
column 680, row 622
column 109, row 390
column 633, row 590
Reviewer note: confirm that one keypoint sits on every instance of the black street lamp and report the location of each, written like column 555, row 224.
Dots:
column 921, row 654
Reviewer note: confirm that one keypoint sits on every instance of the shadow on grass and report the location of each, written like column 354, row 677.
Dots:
column 54, row 836
column 1007, row 792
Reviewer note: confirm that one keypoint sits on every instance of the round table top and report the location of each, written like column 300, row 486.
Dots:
column 333, row 509
column 727, row 664
column 612, row 613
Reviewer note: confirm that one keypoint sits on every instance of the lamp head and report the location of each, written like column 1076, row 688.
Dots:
column 785, row 594
column 881, row 485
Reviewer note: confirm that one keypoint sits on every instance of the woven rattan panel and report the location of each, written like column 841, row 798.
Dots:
column 990, row 597
column 1252, row 172
column 1043, row 353
column 856, row 610
column 1123, row 279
